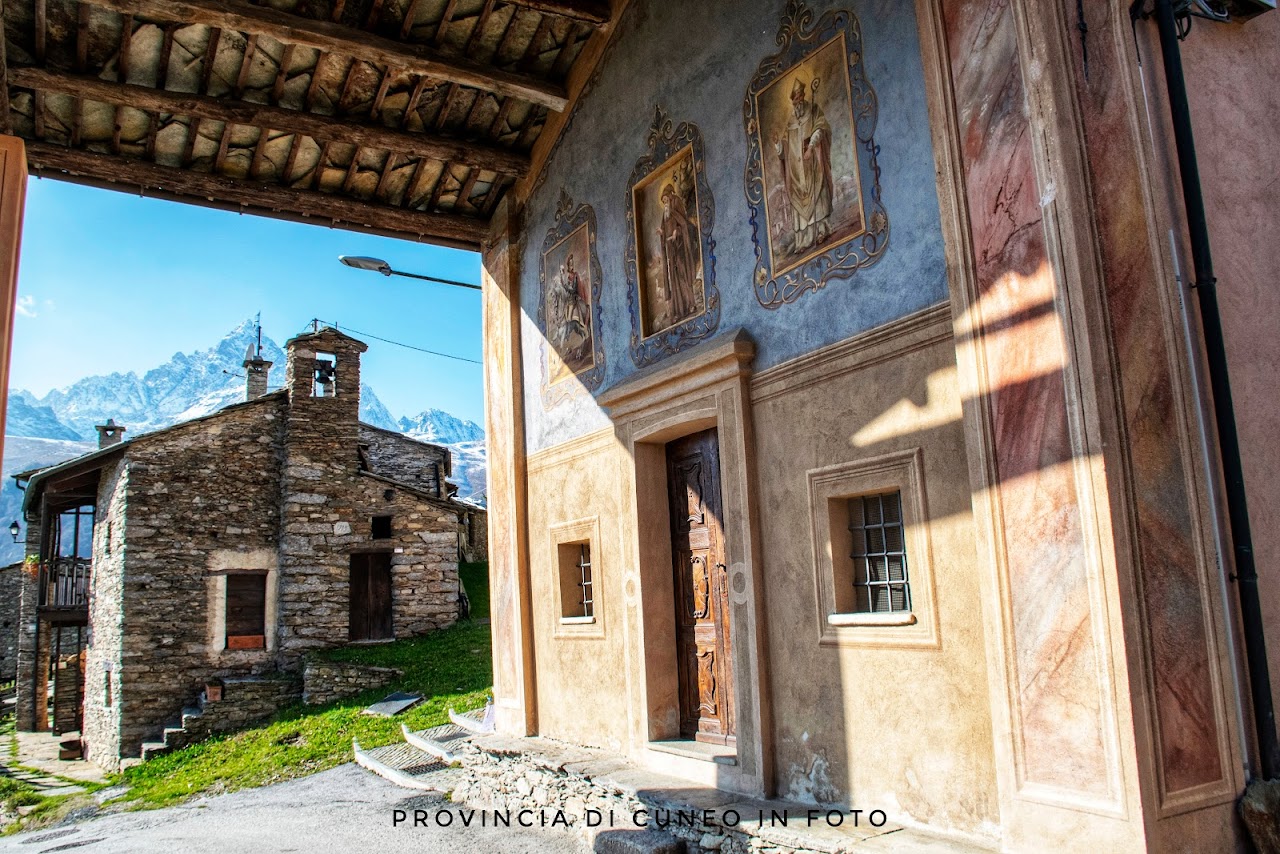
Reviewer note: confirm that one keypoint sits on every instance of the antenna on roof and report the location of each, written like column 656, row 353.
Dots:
column 258, row 322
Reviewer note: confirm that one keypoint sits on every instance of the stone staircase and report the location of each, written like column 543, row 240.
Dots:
column 425, row 760
column 178, row 733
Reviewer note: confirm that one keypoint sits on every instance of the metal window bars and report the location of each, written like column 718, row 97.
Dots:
column 880, row 581
column 584, row 582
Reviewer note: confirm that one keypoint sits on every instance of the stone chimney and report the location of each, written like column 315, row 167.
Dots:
column 255, row 369
column 109, row 434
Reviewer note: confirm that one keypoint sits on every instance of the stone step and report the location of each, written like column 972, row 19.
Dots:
column 404, row 765
column 439, row 741
column 472, row 721
column 152, row 749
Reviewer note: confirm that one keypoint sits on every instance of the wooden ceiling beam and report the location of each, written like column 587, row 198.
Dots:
column 333, row 37
column 594, row 12
column 113, row 172
column 246, row 113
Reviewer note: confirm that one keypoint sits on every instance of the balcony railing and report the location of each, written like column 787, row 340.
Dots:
column 64, row 582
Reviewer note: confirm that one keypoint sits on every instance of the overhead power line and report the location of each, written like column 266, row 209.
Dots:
column 399, row 343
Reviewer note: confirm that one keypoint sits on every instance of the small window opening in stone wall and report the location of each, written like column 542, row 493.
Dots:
column 381, row 527
column 107, row 539
column 106, row 689
column 325, row 376
column 879, row 555
column 246, row 610
column 577, row 600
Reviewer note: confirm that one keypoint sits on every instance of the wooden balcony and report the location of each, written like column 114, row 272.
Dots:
column 64, row 590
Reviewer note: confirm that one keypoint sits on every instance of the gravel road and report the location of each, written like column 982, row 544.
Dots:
column 345, row 809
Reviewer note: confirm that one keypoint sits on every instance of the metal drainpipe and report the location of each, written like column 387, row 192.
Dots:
column 1246, row 578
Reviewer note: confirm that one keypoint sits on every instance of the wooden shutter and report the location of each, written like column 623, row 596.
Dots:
column 246, row 610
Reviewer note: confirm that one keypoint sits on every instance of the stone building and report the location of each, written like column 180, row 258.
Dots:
column 227, row 547
column 10, row 594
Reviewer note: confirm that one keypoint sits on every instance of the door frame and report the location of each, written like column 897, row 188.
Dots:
column 704, row 387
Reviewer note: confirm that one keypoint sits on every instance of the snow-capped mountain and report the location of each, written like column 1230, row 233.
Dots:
column 187, row 386
column 24, row 419
column 434, row 425
column 43, row 431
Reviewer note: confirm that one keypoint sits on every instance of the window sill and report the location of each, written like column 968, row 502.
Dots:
column 893, row 618
column 576, row 621
column 241, row 643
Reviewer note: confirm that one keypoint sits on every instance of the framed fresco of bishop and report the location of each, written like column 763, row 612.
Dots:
column 812, row 178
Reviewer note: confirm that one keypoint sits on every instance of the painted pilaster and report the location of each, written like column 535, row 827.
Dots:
column 510, row 605
column 13, row 189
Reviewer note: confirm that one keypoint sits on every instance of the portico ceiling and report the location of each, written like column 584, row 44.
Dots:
column 404, row 117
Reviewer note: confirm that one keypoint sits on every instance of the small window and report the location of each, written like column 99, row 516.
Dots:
column 381, row 527
column 880, row 582
column 577, row 601
column 246, row 610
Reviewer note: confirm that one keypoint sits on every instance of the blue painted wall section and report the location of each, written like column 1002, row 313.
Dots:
column 696, row 60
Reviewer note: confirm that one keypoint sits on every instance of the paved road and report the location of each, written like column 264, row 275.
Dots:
column 345, row 809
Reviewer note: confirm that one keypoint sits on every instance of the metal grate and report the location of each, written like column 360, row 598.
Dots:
column 584, row 575
column 880, row 582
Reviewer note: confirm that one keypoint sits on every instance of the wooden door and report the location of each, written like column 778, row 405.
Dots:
column 703, row 646
column 371, row 596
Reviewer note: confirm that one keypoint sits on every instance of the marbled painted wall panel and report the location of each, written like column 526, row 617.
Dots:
column 1177, row 606
column 696, row 60
column 1057, row 701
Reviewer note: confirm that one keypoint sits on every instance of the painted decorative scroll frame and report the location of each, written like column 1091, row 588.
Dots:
column 853, row 238
column 674, row 160
column 572, row 236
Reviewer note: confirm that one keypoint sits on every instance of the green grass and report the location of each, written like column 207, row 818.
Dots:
column 475, row 578
column 451, row 668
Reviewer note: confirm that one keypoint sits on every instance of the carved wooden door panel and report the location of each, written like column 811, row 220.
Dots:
column 703, row 646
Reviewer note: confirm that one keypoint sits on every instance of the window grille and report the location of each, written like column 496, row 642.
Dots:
column 584, row 582
column 879, row 554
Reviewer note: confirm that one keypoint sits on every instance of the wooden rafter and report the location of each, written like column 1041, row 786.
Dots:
column 329, row 36
column 263, row 116
column 254, row 196
column 594, row 12
column 6, row 122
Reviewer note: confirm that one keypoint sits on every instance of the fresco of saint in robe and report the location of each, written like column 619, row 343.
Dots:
column 668, row 237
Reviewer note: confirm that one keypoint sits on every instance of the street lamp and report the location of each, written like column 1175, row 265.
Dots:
column 377, row 265
column 15, row 529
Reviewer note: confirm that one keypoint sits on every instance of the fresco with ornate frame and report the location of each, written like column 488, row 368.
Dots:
column 812, row 180
column 569, row 313
column 670, row 258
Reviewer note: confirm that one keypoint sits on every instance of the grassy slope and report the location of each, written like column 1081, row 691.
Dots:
column 451, row 668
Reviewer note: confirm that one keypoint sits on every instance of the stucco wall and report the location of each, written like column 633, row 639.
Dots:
column 697, row 65
column 1236, row 116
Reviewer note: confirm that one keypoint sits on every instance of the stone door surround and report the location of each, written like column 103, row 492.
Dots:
column 704, row 387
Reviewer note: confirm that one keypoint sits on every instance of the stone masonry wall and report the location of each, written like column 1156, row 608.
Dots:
column 206, row 486
column 10, row 598
column 406, row 460
column 326, row 681
column 245, row 701
column 103, row 705
column 27, row 706
column 328, row 510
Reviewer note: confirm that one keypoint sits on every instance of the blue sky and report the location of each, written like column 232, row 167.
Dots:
column 110, row 282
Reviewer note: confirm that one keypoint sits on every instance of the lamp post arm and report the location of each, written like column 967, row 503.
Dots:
column 435, row 279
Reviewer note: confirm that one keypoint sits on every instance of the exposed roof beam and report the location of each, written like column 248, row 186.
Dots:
column 594, row 12
column 106, row 170
column 329, row 36
column 434, row 146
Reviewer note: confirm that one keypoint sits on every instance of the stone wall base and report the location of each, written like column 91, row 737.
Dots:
column 326, row 681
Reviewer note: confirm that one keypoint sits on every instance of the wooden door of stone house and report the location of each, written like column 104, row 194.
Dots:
column 703, row 646
column 371, row 596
